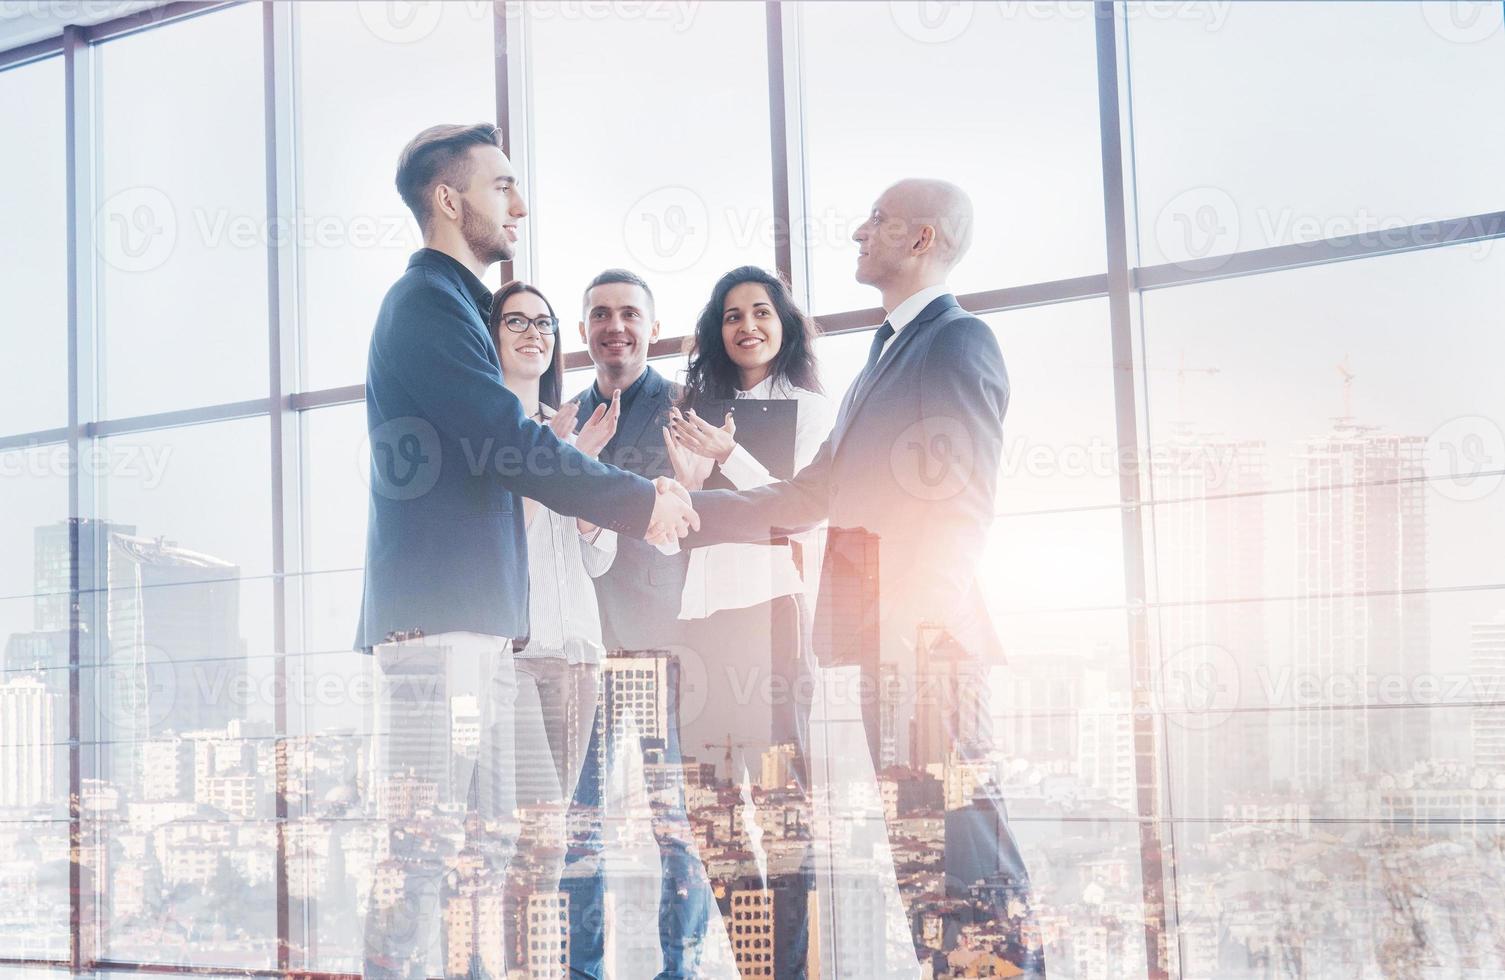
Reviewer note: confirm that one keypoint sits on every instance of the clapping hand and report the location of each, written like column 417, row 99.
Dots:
column 673, row 515
column 600, row 427
column 597, row 430
column 690, row 468
column 562, row 424
column 703, row 438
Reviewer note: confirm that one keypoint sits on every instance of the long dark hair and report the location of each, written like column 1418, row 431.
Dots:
column 551, row 384
column 713, row 375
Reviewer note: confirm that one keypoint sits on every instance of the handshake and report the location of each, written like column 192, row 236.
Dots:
column 673, row 516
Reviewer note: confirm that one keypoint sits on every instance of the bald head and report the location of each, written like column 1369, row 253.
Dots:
column 939, row 204
column 918, row 230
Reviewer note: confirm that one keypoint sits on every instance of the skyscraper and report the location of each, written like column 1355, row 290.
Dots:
column 951, row 701
column 28, row 734
column 1209, row 553
column 1361, row 617
column 176, row 661
column 1487, row 668
column 412, row 731
column 846, row 620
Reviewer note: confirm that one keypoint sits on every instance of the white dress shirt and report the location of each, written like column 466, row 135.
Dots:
column 563, row 617
column 903, row 314
column 736, row 576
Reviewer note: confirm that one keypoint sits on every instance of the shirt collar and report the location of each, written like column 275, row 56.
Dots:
column 903, row 314
column 628, row 393
column 763, row 389
column 478, row 290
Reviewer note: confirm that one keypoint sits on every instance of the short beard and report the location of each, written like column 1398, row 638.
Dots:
column 487, row 243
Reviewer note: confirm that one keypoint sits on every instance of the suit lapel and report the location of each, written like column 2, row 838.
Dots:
column 858, row 393
column 644, row 410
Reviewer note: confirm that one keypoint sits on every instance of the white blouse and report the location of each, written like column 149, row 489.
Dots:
column 563, row 618
column 736, row 576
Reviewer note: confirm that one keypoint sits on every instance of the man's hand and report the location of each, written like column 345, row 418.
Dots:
column 703, row 438
column 600, row 427
column 673, row 516
column 690, row 469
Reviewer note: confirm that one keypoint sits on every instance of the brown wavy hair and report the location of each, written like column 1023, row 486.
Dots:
column 713, row 375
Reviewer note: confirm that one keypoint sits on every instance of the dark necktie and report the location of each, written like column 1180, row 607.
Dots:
column 874, row 353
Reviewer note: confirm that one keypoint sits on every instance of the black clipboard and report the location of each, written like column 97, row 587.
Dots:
column 765, row 428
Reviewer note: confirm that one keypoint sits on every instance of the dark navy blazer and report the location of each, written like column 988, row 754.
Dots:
column 639, row 595
column 913, row 458
column 451, row 451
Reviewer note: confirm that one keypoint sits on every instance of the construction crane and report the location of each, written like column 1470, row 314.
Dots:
column 1348, row 377
column 729, row 744
column 1181, row 372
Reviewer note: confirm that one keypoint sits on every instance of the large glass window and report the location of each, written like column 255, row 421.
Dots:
column 1260, row 124
column 33, row 313
column 1308, row 756
column 180, row 225
column 1000, row 98
column 370, row 77
column 178, row 693
column 1325, row 609
column 619, row 176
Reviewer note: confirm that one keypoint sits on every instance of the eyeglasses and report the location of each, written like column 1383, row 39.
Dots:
column 518, row 323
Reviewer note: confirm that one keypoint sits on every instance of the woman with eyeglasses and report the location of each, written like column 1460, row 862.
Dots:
column 558, row 663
